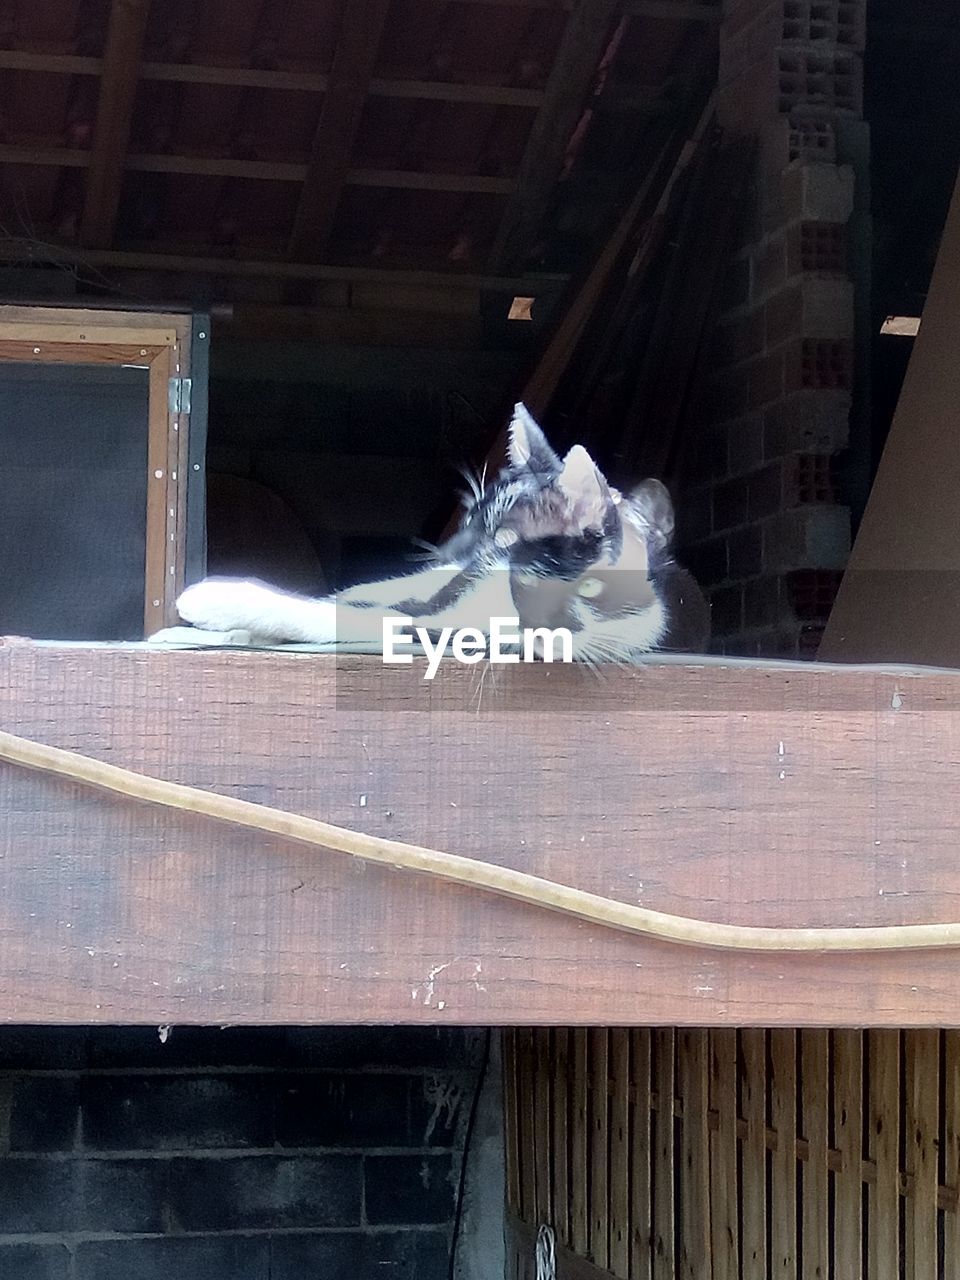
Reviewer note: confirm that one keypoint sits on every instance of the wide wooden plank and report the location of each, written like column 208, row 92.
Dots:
column 922, row 1055
column 813, row 1077
column 694, row 1071
column 725, row 1244
column 898, row 600
column 747, row 794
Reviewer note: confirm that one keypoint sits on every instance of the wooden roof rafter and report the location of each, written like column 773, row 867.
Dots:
column 585, row 38
column 118, row 86
column 329, row 169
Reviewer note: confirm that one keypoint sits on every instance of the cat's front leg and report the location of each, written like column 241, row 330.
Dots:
column 265, row 613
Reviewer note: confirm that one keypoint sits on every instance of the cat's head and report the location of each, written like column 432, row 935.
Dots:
column 578, row 552
column 548, row 513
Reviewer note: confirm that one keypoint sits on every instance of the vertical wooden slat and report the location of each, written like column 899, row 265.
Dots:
column 663, row 1206
column 579, row 1146
column 542, row 1131
column 754, row 1190
column 560, row 1134
column 511, row 1120
column 528, row 1127
column 883, row 1243
column 162, row 497
column 922, row 1061
column 848, row 1129
column 695, row 1256
column 599, row 1145
column 783, row 1201
column 640, row 1157
column 620, row 1153
column 814, row 1092
column 723, row 1155
column 951, row 1153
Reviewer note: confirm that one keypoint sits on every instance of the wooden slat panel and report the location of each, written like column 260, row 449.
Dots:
column 922, row 1060
column 620, row 1153
column 951, row 1153
column 848, row 1128
column 754, row 1190
column 884, row 1130
column 725, row 1233
column 641, row 1158
column 560, row 1133
column 814, row 1077
column 783, row 1113
column 511, row 1119
column 599, row 1246
column 543, row 1129
column 528, row 1124
column 694, row 1066
column 580, row 1145
column 664, row 1267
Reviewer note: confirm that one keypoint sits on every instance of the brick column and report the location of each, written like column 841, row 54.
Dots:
column 764, row 524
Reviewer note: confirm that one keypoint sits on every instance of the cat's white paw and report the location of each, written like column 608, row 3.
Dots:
column 227, row 605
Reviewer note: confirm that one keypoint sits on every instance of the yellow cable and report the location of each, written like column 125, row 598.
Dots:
column 591, row 907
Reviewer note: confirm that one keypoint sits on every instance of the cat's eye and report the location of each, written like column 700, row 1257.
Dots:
column 590, row 588
column 505, row 538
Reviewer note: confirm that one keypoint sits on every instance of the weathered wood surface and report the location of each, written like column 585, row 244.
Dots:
column 762, row 795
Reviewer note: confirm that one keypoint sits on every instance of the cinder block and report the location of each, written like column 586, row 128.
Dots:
column 399, row 1255
column 265, row 1192
column 825, row 22
column 808, row 422
column 140, row 1113
column 335, row 1110
column 807, row 538
column 817, row 192
column 36, row 1262
column 745, row 552
column 37, row 1196
column 745, row 443
column 726, row 610
column 828, row 79
column 408, row 1189
column 121, row 1195
column 212, row 1258
column 44, row 1111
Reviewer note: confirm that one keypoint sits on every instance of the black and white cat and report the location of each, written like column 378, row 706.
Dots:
column 548, row 542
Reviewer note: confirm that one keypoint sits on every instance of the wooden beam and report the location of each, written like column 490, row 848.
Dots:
column 255, row 78
column 263, row 170
column 329, row 169
column 900, row 596
column 786, row 794
column 20, row 251
column 118, row 86
column 571, row 77
column 675, row 10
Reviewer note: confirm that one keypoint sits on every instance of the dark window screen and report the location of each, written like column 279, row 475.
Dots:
column 73, row 498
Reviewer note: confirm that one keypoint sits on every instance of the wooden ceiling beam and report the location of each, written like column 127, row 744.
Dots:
column 263, row 170
column 329, row 170
column 584, row 40
column 19, row 250
column 676, row 10
column 284, row 81
column 118, row 86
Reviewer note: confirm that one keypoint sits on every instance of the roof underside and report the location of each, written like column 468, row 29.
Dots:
column 444, row 135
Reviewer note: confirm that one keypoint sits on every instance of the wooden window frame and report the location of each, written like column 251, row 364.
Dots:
column 161, row 343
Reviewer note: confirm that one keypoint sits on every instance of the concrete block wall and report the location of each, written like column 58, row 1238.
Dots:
column 275, row 1154
column 763, row 520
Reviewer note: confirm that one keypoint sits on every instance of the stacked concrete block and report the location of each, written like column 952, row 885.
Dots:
column 764, row 523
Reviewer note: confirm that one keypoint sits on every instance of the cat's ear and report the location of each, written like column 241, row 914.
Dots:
column 584, row 488
column 651, row 502
column 528, row 445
